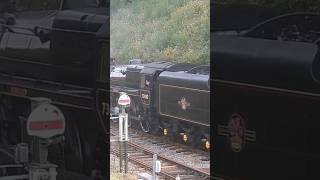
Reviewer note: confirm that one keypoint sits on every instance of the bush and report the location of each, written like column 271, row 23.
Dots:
column 282, row 5
column 166, row 30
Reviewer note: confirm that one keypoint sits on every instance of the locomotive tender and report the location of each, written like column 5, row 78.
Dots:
column 171, row 99
column 266, row 98
column 57, row 49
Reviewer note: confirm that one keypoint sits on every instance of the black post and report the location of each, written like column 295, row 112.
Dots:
column 120, row 156
column 126, row 156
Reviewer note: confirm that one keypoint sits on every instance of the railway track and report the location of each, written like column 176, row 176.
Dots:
column 141, row 154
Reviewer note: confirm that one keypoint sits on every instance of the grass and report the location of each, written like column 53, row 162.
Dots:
column 121, row 176
column 116, row 175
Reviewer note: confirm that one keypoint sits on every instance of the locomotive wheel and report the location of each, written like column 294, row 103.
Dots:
column 101, row 158
column 206, row 143
column 196, row 139
column 9, row 122
column 135, row 110
column 5, row 159
column 188, row 135
column 68, row 155
column 168, row 130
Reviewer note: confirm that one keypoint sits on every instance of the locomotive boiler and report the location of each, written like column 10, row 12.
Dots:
column 169, row 99
column 57, row 50
column 266, row 95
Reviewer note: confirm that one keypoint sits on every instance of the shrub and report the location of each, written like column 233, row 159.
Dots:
column 166, row 30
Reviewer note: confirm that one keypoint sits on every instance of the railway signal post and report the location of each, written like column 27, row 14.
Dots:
column 123, row 101
column 46, row 124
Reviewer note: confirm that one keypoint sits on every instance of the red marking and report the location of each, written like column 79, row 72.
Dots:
column 124, row 101
column 184, row 103
column 236, row 127
column 237, row 132
column 46, row 125
column 18, row 91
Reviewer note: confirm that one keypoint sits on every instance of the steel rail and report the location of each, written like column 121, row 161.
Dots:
column 166, row 174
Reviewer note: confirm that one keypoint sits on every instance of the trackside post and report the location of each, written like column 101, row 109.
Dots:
column 123, row 101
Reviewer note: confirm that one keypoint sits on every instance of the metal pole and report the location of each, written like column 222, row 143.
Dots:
column 178, row 177
column 121, row 139
column 154, row 161
column 125, row 141
column 126, row 127
column 120, row 146
column 123, row 101
column 125, row 157
column 121, row 127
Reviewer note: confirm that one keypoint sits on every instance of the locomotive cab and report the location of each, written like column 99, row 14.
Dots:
column 133, row 76
column 36, row 36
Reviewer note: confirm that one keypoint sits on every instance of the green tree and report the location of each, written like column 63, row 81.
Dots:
column 166, row 30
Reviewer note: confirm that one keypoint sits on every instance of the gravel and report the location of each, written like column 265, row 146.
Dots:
column 132, row 173
column 193, row 158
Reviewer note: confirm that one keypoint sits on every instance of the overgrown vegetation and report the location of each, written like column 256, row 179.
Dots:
column 282, row 5
column 160, row 30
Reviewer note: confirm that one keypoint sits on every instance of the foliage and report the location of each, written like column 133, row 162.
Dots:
column 166, row 30
column 283, row 5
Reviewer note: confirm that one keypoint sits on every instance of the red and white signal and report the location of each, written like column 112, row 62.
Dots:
column 46, row 121
column 124, row 100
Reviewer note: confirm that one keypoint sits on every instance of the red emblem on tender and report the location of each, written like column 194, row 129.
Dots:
column 184, row 103
column 237, row 132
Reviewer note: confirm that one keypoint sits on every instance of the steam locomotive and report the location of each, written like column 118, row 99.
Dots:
column 57, row 50
column 167, row 98
column 266, row 96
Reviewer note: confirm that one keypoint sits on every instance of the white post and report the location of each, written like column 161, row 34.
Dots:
column 123, row 101
column 121, row 140
column 178, row 177
column 154, row 174
column 126, row 127
column 121, row 127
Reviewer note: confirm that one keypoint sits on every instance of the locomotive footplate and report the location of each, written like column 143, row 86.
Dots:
column 62, row 94
column 69, row 175
column 129, row 91
column 62, row 175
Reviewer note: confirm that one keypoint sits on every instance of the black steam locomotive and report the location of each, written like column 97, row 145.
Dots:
column 171, row 99
column 266, row 96
column 57, row 49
